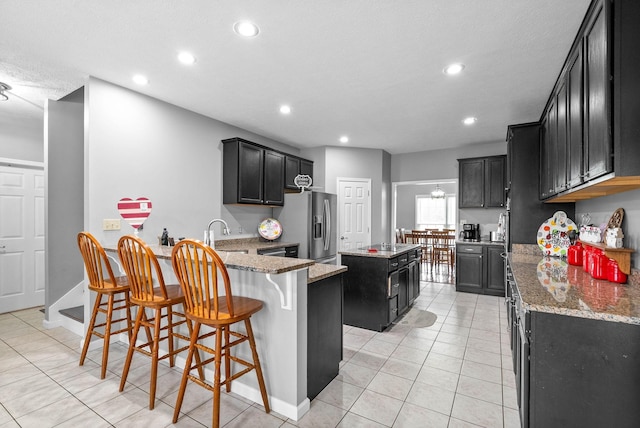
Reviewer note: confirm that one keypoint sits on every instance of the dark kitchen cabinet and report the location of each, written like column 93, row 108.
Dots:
column 377, row 290
column 480, row 268
column 560, row 152
column 252, row 174
column 527, row 212
column 482, row 182
column 295, row 166
column 574, row 119
column 597, row 137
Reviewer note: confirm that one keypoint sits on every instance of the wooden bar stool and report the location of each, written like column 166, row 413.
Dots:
column 97, row 264
column 143, row 271
column 198, row 268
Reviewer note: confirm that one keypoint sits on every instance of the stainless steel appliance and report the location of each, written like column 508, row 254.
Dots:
column 309, row 218
column 470, row 232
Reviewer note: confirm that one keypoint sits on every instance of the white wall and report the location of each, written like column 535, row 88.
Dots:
column 138, row 146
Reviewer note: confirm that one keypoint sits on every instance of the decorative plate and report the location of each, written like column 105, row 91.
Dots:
column 553, row 235
column 270, row 229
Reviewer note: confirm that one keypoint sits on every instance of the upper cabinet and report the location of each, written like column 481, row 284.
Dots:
column 252, row 174
column 482, row 182
column 589, row 134
column 295, row 166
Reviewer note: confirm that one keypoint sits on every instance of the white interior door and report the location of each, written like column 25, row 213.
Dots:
column 21, row 238
column 354, row 205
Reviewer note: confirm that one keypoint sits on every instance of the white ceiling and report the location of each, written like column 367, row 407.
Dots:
column 369, row 69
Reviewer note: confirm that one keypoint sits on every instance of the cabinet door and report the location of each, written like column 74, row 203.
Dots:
column 471, row 186
column 403, row 292
column 547, row 142
column 597, row 139
column 291, row 170
column 495, row 181
column 250, row 173
column 469, row 271
column 574, row 119
column 306, row 168
column 495, row 270
column 560, row 156
column 273, row 178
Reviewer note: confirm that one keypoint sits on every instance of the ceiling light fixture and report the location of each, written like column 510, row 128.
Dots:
column 186, row 58
column 246, row 28
column 453, row 69
column 140, row 79
column 285, row 109
column 469, row 120
column 438, row 193
column 344, row 139
column 4, row 87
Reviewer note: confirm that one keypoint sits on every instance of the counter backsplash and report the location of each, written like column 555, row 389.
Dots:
column 534, row 250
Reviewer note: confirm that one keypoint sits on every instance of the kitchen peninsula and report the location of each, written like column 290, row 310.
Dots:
column 575, row 343
column 381, row 283
column 287, row 287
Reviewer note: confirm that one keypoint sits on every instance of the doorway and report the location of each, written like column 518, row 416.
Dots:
column 354, row 213
column 22, row 232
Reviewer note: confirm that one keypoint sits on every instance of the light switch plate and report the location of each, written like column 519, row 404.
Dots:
column 111, row 224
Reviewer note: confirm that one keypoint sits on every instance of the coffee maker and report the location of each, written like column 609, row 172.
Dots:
column 471, row 232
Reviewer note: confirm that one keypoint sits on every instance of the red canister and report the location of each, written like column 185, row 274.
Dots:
column 614, row 274
column 574, row 255
column 585, row 258
column 600, row 265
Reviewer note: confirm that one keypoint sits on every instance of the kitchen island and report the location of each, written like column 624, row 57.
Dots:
column 280, row 328
column 575, row 344
column 381, row 283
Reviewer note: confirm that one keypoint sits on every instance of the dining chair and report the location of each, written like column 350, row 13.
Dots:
column 149, row 292
column 422, row 237
column 104, row 283
column 442, row 249
column 209, row 301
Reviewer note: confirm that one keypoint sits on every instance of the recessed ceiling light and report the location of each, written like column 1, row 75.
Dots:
column 140, row 79
column 186, row 58
column 453, row 69
column 344, row 139
column 285, row 109
column 246, row 28
column 469, row 120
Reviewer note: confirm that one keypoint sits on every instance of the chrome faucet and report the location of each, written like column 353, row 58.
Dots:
column 209, row 235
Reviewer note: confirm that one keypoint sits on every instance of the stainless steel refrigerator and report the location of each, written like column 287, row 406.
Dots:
column 309, row 218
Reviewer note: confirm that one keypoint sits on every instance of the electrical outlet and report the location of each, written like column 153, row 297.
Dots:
column 111, row 224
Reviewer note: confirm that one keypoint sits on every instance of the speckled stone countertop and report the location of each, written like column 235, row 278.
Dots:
column 257, row 263
column 392, row 251
column 481, row 242
column 251, row 245
column 550, row 284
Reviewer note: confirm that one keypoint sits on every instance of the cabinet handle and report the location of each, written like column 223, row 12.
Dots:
column 394, row 310
column 396, row 285
column 482, row 205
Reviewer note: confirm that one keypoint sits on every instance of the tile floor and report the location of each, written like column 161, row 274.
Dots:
column 456, row 373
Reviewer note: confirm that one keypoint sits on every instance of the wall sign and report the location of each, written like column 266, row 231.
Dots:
column 134, row 212
column 303, row 181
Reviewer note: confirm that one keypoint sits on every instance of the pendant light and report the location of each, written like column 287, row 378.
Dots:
column 438, row 193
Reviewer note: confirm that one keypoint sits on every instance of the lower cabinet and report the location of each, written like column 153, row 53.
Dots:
column 324, row 333
column 480, row 268
column 377, row 290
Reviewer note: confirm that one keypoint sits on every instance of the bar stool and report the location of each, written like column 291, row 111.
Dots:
column 198, row 268
column 97, row 264
column 143, row 270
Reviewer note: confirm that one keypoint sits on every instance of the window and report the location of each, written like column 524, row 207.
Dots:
column 435, row 213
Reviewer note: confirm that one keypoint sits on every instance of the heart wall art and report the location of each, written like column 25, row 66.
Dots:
column 134, row 212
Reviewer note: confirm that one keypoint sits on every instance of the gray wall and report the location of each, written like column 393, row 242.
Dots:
column 23, row 142
column 406, row 201
column 139, row 146
column 600, row 210
column 64, row 200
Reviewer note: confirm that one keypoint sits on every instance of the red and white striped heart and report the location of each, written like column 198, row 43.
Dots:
column 134, row 212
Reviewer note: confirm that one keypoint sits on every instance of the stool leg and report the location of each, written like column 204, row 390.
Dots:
column 197, row 353
column 187, row 369
column 216, row 376
column 107, row 337
column 132, row 345
column 170, row 337
column 129, row 319
column 155, row 349
column 256, row 363
column 87, row 338
column 227, row 359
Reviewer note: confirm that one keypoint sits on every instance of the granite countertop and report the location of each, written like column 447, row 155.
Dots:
column 321, row 271
column 251, row 245
column 550, row 284
column 481, row 242
column 387, row 253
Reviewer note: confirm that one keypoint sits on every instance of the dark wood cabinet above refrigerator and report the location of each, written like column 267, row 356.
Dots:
column 482, row 182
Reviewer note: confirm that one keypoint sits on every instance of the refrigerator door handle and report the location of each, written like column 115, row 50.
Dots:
column 327, row 219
